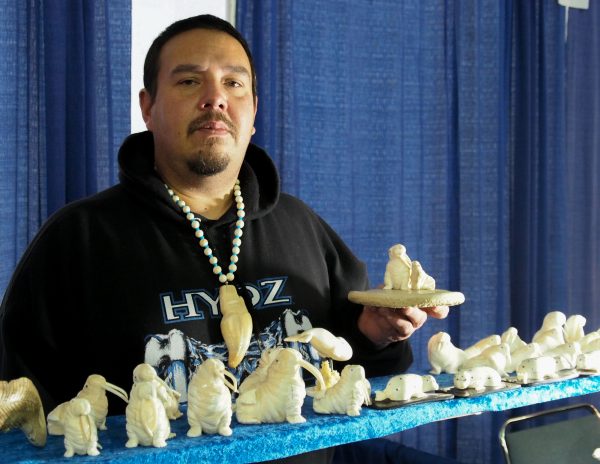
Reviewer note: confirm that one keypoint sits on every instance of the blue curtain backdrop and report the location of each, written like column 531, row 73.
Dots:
column 465, row 130
column 65, row 92
column 582, row 164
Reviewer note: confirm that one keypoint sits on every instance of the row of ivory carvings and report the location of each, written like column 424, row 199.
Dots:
column 274, row 392
column 559, row 344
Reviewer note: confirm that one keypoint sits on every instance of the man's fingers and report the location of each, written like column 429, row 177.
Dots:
column 438, row 312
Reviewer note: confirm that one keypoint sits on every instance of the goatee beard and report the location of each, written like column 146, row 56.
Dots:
column 208, row 164
column 210, row 161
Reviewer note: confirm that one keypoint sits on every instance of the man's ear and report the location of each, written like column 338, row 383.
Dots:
column 255, row 109
column 146, row 103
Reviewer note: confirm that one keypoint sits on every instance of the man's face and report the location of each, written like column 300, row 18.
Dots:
column 202, row 117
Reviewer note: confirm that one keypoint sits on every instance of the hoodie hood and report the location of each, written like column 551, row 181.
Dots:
column 258, row 178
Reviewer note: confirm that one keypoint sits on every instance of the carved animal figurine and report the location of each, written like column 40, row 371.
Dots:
column 21, row 407
column 147, row 421
column 586, row 341
column 236, row 325
column 94, row 391
column 259, row 374
column 573, row 328
column 398, row 269
column 552, row 320
column 592, row 346
column 511, row 336
column 347, row 396
column 209, row 399
column 497, row 357
column 443, row 355
column 81, row 434
column 407, row 386
column 589, row 361
column 419, row 279
column 477, row 378
column 549, row 339
column 484, row 343
column 326, row 344
column 280, row 396
column 540, row 368
column 568, row 352
column 330, row 376
column 531, row 350
column 169, row 398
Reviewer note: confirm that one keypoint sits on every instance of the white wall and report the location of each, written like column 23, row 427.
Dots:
column 150, row 18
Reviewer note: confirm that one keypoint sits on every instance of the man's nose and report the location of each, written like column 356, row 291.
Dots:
column 213, row 96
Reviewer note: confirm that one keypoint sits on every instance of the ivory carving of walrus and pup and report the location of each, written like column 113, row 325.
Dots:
column 405, row 283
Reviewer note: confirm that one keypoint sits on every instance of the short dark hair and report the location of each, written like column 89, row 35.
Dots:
column 196, row 22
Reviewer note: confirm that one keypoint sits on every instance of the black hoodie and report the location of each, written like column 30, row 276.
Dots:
column 119, row 278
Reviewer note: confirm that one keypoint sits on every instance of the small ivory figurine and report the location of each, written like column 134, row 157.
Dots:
column 347, row 396
column 405, row 387
column 589, row 361
column 568, row 352
column 573, row 328
column 398, row 269
column 419, row 279
column 209, row 399
column 326, row 344
column 94, row 390
column 586, row 341
column 259, row 374
column 540, row 368
column 552, row 320
column 511, row 336
column 403, row 274
column 592, row 345
column 236, row 324
column 170, row 399
column 443, row 355
column 330, row 376
column 81, row 434
column 279, row 397
column 481, row 345
column 549, row 339
column 531, row 350
column 477, row 378
column 21, row 407
column 147, row 421
column 497, row 357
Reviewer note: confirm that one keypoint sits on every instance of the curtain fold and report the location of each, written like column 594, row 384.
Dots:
column 537, row 227
column 65, row 89
column 582, row 165
column 464, row 130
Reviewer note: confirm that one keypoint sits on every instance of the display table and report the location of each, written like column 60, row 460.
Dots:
column 251, row 443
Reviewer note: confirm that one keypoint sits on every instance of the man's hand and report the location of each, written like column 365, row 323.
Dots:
column 387, row 325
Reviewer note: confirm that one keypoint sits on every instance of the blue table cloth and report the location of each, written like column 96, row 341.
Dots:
column 252, row 443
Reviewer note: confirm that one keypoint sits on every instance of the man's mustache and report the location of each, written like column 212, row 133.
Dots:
column 210, row 117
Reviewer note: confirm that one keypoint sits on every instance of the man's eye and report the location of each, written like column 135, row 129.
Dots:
column 187, row 82
column 234, row 84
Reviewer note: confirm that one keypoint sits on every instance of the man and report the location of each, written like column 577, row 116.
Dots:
column 133, row 274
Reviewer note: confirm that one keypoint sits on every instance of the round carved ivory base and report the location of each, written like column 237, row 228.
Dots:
column 405, row 298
